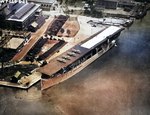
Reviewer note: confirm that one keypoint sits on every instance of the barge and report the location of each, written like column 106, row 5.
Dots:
column 78, row 57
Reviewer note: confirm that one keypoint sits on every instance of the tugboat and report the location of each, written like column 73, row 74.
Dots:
column 78, row 57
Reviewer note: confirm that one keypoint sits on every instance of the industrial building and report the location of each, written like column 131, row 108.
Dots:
column 18, row 16
column 45, row 4
column 113, row 4
column 108, row 4
column 36, row 24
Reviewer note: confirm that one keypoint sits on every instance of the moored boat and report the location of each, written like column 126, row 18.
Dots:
column 78, row 57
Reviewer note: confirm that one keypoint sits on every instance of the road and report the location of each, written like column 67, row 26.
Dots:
column 34, row 38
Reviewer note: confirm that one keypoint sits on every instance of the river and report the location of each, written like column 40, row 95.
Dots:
column 118, row 83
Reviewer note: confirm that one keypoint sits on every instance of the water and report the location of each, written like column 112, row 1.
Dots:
column 118, row 83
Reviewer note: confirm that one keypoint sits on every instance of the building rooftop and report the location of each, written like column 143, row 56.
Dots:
column 24, row 12
column 40, row 20
column 6, row 8
column 14, row 43
column 42, row 1
column 111, row 0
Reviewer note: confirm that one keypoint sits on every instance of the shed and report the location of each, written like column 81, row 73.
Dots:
column 36, row 24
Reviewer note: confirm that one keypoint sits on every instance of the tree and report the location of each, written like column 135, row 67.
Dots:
column 68, row 31
column 72, row 10
column 62, row 30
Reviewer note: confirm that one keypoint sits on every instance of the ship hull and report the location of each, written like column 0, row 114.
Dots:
column 46, row 83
